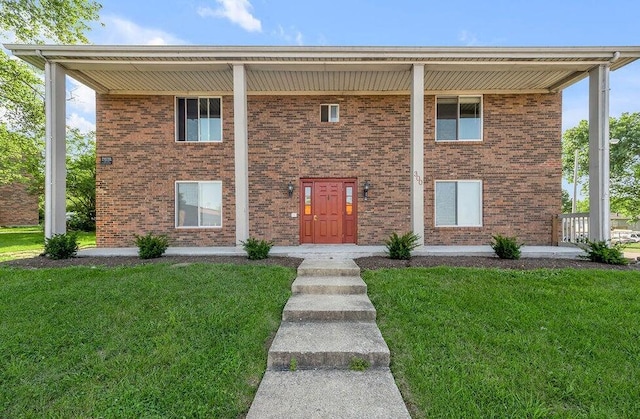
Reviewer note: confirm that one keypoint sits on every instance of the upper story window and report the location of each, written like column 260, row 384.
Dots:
column 329, row 113
column 199, row 119
column 459, row 118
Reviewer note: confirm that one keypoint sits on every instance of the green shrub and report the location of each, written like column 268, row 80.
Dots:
column 81, row 222
column 61, row 246
column 400, row 247
column 151, row 246
column 603, row 252
column 257, row 249
column 506, row 247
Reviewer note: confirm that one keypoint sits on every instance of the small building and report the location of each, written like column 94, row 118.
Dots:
column 18, row 207
column 212, row 145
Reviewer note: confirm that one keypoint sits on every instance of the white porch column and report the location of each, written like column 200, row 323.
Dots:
column 599, row 213
column 55, row 183
column 417, row 151
column 241, row 152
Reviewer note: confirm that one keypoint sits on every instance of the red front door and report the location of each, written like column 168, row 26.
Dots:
column 327, row 211
column 327, row 214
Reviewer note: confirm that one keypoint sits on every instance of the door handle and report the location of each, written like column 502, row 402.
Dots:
column 315, row 217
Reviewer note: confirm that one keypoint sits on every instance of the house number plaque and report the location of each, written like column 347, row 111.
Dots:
column 417, row 177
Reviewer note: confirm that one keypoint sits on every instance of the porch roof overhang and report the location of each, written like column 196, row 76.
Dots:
column 330, row 70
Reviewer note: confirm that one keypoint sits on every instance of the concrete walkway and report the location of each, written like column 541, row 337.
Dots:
column 328, row 323
column 344, row 250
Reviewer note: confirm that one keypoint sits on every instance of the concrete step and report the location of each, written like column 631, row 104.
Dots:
column 309, row 307
column 328, row 267
column 327, row 345
column 329, row 285
column 328, row 394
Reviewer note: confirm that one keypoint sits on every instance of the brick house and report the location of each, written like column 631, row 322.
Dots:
column 211, row 145
column 18, row 207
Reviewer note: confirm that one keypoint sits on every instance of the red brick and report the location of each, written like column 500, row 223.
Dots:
column 518, row 162
column 18, row 207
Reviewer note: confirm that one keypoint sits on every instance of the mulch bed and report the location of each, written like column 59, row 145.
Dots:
column 376, row 262
column 112, row 261
column 379, row 262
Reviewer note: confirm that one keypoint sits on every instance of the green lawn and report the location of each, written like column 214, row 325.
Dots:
column 145, row 341
column 632, row 246
column 497, row 343
column 22, row 242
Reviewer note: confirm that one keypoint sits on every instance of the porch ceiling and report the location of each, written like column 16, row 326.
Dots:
column 342, row 70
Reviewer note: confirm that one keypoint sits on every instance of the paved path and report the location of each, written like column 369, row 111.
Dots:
column 344, row 250
column 327, row 324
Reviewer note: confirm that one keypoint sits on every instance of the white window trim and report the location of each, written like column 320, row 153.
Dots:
column 175, row 117
column 175, row 197
column 435, row 215
column 458, row 120
column 329, row 105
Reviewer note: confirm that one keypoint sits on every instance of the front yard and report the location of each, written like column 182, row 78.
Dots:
column 179, row 338
column 26, row 242
column 144, row 341
column 471, row 342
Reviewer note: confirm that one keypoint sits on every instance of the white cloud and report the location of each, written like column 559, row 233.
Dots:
column 119, row 31
column 468, row 38
column 81, row 97
column 292, row 36
column 237, row 11
column 82, row 124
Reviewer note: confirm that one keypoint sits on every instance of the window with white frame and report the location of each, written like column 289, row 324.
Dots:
column 199, row 204
column 199, row 119
column 329, row 113
column 459, row 118
column 458, row 203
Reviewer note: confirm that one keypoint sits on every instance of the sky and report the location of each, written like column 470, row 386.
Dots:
column 378, row 23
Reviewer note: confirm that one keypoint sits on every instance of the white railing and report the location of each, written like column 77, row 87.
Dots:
column 573, row 227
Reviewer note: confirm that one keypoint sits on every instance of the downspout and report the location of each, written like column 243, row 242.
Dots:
column 616, row 57
column 39, row 54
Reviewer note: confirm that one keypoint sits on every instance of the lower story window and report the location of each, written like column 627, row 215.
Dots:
column 199, row 204
column 458, row 203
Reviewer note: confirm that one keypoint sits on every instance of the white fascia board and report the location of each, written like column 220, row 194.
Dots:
column 332, row 53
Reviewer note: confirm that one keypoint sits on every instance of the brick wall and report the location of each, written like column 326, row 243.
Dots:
column 17, row 206
column 518, row 162
column 136, row 194
column 287, row 142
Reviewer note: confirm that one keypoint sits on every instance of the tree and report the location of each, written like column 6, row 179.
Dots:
column 566, row 202
column 59, row 21
column 81, row 178
column 21, row 123
column 624, row 160
column 21, row 86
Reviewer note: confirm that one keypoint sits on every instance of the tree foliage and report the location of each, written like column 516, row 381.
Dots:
column 81, row 173
column 624, row 160
column 566, row 202
column 22, row 87
column 21, row 122
column 64, row 21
